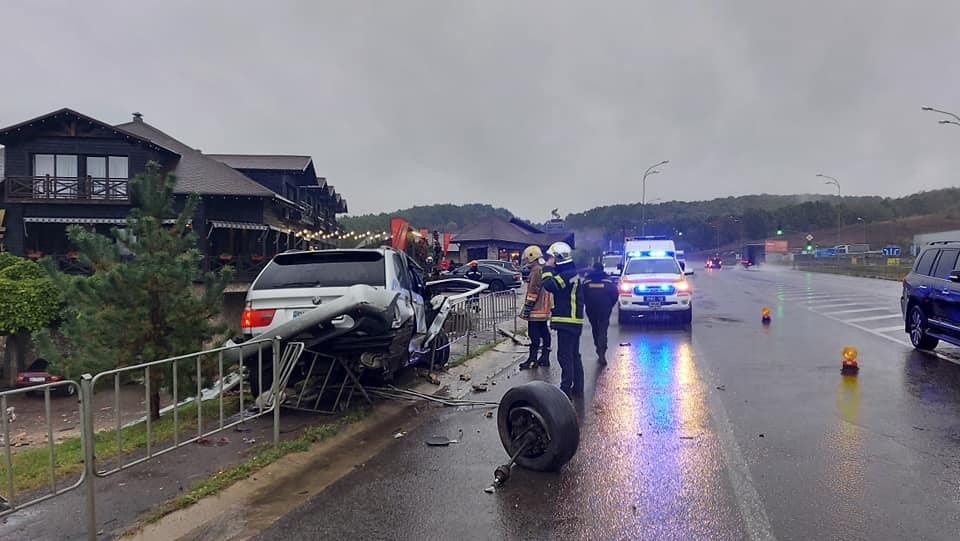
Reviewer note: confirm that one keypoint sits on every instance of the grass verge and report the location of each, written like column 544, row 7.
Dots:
column 476, row 352
column 263, row 455
column 31, row 467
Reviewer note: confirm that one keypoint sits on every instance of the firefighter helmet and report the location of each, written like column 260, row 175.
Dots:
column 531, row 253
column 561, row 251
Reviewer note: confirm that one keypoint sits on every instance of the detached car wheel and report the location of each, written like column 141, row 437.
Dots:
column 918, row 330
column 540, row 416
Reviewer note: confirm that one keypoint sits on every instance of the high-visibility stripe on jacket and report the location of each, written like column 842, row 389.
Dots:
column 538, row 300
column 564, row 284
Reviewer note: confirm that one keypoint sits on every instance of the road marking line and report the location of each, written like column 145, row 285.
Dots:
column 838, row 305
column 899, row 341
column 754, row 515
column 855, row 310
column 872, row 318
column 890, row 329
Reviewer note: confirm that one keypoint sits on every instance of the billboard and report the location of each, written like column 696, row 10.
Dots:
column 775, row 246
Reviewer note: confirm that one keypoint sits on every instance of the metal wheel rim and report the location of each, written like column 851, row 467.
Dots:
column 916, row 329
column 513, row 419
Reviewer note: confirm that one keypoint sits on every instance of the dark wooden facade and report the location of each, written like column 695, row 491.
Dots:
column 272, row 211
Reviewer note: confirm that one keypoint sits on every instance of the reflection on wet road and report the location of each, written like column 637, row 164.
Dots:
column 649, row 461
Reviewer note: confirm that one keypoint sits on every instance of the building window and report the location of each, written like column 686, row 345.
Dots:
column 108, row 176
column 47, row 168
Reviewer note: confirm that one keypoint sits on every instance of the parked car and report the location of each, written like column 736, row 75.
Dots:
column 930, row 302
column 509, row 265
column 38, row 373
column 497, row 277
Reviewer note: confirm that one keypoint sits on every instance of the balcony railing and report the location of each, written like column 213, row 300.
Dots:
column 66, row 190
column 246, row 267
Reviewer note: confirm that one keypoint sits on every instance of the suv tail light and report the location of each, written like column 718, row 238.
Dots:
column 256, row 318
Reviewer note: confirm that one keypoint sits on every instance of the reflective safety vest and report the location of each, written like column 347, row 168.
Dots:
column 564, row 283
column 538, row 300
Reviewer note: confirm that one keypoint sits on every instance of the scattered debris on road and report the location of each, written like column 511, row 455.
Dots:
column 488, row 414
column 721, row 387
column 479, row 387
column 624, row 343
column 761, row 434
column 464, row 377
column 399, row 435
column 490, row 489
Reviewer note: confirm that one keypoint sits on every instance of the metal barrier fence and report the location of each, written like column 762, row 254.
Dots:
column 865, row 265
column 474, row 319
column 147, row 437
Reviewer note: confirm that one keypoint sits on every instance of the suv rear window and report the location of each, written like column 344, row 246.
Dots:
column 652, row 266
column 323, row 269
column 926, row 261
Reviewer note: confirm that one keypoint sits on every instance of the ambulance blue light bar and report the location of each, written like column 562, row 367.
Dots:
column 649, row 253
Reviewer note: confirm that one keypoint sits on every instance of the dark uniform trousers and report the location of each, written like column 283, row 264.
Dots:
column 568, row 355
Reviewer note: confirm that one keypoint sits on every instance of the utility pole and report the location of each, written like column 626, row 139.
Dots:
column 643, row 194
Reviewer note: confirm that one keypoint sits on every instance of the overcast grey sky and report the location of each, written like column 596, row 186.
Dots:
column 526, row 105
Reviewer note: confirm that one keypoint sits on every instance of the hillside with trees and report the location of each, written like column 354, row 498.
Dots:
column 703, row 225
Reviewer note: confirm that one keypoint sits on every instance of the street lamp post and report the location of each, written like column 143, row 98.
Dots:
column 643, row 194
column 835, row 182
column 860, row 219
column 955, row 121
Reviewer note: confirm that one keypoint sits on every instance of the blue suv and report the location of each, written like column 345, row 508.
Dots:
column 931, row 296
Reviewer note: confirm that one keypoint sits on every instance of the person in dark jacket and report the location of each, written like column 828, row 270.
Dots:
column 599, row 297
column 560, row 278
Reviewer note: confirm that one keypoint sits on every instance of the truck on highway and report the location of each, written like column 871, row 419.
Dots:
column 612, row 263
column 753, row 254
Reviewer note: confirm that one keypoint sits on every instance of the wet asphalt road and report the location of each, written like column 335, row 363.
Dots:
column 729, row 430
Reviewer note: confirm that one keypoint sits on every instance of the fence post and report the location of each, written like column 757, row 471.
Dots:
column 276, row 391
column 89, row 468
column 469, row 325
column 514, row 308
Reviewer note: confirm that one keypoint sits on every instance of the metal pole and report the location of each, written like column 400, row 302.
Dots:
column 643, row 194
column 276, row 391
column 469, row 325
column 89, row 468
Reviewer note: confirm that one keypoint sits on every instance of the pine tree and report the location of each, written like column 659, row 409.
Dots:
column 141, row 303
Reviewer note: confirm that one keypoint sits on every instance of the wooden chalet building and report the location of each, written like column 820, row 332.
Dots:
column 496, row 238
column 67, row 168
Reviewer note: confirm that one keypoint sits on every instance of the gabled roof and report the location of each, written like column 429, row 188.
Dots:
column 12, row 132
column 498, row 229
column 197, row 172
column 264, row 162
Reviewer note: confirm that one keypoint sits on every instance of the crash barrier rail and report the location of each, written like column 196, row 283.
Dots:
column 175, row 374
column 480, row 314
column 8, row 495
column 865, row 265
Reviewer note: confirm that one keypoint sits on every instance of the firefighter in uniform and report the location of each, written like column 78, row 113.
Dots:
column 561, row 280
column 599, row 296
column 536, row 310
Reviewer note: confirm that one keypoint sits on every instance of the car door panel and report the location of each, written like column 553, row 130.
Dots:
column 941, row 289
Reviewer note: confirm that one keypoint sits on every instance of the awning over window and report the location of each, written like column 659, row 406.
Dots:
column 237, row 225
column 65, row 220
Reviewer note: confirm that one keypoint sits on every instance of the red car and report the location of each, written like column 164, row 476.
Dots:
column 38, row 374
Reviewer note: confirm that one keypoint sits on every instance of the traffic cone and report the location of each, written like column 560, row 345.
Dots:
column 765, row 315
column 849, row 365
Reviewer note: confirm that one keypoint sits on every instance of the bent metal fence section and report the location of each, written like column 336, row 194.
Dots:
column 10, row 500
column 474, row 320
column 185, row 419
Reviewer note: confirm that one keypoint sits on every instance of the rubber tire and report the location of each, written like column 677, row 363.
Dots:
column 686, row 318
column 441, row 344
column 559, row 417
column 497, row 285
column 920, row 340
column 68, row 390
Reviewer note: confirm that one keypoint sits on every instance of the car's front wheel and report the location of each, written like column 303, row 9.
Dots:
column 918, row 330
